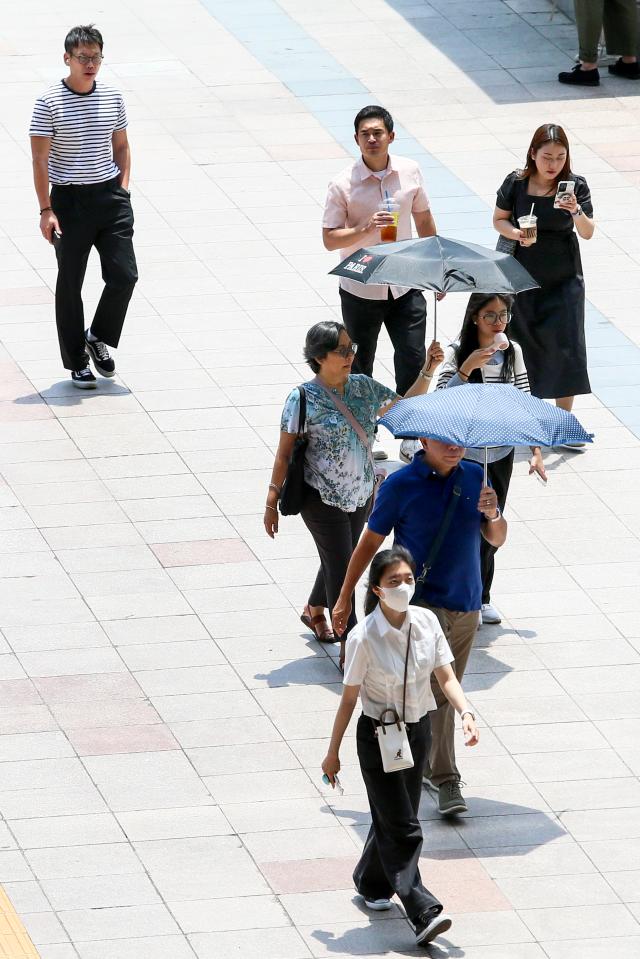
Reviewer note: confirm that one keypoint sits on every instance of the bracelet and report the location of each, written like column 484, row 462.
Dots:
column 277, row 489
column 45, row 208
column 467, row 712
column 465, row 375
column 426, row 376
column 496, row 517
column 274, row 508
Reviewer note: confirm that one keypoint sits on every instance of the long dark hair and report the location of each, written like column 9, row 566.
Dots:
column 468, row 337
column 379, row 565
column 547, row 133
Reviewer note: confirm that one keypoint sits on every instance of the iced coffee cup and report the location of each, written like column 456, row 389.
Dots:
column 529, row 227
column 389, row 232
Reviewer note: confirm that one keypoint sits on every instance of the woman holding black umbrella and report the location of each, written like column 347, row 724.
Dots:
column 484, row 353
column 341, row 412
column 549, row 322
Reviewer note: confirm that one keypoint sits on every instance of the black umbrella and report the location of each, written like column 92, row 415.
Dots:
column 439, row 264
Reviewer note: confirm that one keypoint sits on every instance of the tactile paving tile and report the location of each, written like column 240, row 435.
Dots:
column 14, row 940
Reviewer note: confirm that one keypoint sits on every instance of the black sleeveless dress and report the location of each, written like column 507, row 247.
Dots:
column 549, row 323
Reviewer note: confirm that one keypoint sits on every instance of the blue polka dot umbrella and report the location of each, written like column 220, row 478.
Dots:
column 480, row 415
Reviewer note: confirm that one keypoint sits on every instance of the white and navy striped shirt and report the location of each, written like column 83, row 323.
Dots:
column 491, row 372
column 80, row 126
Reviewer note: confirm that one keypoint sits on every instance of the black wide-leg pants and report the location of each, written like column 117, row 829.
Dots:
column 99, row 215
column 389, row 861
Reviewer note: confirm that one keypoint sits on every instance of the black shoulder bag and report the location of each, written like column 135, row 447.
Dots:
column 437, row 543
column 293, row 486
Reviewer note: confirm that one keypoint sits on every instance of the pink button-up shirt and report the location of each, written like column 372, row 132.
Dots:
column 356, row 193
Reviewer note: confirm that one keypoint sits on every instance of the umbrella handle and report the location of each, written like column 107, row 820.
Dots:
column 435, row 315
column 486, row 467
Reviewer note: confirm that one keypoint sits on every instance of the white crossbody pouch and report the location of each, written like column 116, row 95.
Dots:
column 392, row 733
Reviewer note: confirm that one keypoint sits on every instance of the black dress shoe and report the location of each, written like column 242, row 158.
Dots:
column 630, row 71
column 580, row 77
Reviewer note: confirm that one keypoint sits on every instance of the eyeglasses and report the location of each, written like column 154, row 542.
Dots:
column 492, row 318
column 96, row 59
column 346, row 351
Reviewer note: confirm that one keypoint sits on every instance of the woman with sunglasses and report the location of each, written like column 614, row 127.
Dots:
column 476, row 358
column 338, row 469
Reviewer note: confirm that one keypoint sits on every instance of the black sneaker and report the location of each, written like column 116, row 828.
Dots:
column 450, row 798
column 580, row 77
column 100, row 355
column 430, row 924
column 630, row 71
column 83, row 379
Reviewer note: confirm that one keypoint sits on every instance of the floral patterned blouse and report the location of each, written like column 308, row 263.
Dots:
column 336, row 463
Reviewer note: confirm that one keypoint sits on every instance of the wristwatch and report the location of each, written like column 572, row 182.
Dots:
column 496, row 517
column 578, row 211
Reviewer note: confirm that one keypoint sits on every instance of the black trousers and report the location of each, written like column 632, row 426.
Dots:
column 500, row 477
column 406, row 321
column 97, row 215
column 389, row 861
column 336, row 535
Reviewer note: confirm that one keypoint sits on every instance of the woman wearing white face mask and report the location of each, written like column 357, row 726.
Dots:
column 395, row 638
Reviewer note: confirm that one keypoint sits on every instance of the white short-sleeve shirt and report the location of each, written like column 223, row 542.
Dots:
column 374, row 660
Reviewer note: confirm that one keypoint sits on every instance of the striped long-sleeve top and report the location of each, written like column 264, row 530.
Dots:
column 491, row 372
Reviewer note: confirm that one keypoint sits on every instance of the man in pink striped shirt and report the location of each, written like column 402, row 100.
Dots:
column 352, row 219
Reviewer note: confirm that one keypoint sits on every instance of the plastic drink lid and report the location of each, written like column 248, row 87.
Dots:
column 501, row 341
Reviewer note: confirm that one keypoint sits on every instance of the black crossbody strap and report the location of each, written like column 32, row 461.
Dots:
column 302, row 416
column 442, row 532
column 406, row 666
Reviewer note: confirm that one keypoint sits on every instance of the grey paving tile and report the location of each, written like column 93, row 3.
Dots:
column 285, row 943
column 146, row 947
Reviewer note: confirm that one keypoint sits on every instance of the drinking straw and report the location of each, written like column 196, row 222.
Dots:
column 531, row 210
column 388, row 199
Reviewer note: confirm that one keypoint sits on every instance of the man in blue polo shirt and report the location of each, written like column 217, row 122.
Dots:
column 413, row 502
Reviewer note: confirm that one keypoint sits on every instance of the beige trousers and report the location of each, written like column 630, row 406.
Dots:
column 460, row 630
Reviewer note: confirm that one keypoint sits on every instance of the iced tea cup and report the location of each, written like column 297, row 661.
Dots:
column 529, row 227
column 389, row 232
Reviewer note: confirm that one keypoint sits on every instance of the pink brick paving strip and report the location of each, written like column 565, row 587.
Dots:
column 203, row 552
column 110, row 740
column 449, row 874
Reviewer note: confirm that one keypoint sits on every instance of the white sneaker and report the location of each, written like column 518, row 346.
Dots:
column 490, row 615
column 377, row 905
column 378, row 451
column 408, row 448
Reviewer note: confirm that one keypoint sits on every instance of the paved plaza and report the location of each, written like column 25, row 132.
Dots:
column 163, row 712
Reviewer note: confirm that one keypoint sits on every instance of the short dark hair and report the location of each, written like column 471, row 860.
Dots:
column 374, row 112
column 83, row 36
column 379, row 565
column 320, row 340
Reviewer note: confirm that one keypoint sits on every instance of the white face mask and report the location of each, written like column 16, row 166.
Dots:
column 397, row 597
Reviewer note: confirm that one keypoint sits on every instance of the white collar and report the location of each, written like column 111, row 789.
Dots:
column 384, row 627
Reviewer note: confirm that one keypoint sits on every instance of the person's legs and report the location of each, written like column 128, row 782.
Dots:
column 72, row 253
column 500, row 477
column 406, row 323
column 363, row 320
column 332, row 531
column 620, row 21
column 114, row 243
column 390, row 858
column 460, row 630
column 589, row 19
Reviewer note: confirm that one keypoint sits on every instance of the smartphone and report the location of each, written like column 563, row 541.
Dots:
column 566, row 188
column 327, row 782
column 55, row 239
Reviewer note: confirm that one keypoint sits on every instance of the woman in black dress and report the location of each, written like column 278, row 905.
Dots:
column 549, row 322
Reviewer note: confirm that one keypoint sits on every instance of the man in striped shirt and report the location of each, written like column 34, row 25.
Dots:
column 80, row 148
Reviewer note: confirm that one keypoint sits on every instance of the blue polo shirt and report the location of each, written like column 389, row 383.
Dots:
column 412, row 503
